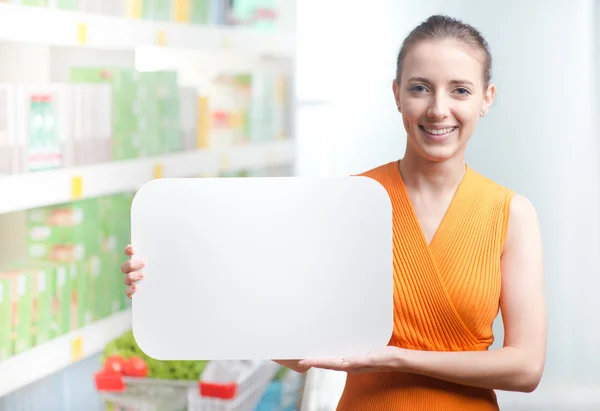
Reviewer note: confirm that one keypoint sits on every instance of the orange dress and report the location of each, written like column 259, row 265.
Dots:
column 446, row 294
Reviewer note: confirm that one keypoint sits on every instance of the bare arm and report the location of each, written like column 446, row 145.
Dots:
column 519, row 364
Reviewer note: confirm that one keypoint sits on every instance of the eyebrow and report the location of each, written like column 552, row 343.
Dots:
column 424, row 80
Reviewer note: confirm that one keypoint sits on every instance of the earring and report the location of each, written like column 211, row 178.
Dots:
column 482, row 113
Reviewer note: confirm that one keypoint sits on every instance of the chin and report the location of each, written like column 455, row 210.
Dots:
column 438, row 153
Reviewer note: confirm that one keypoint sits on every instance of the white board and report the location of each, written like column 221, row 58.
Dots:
column 262, row 268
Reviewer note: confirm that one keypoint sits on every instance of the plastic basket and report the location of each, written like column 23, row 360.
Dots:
column 142, row 394
column 231, row 385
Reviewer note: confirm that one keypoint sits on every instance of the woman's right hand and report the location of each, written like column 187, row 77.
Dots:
column 132, row 270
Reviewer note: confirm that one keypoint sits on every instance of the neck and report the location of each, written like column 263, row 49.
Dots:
column 422, row 174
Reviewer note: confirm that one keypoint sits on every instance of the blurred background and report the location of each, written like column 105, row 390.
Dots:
column 98, row 97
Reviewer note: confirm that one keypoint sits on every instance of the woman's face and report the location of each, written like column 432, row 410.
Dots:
column 441, row 95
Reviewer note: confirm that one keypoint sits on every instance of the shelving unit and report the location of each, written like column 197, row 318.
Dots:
column 70, row 28
column 57, row 354
column 38, row 189
column 42, row 44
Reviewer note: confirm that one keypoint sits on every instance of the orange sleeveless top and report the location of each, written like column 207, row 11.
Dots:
column 446, row 294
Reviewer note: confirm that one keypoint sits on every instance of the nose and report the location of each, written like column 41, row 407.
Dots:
column 438, row 109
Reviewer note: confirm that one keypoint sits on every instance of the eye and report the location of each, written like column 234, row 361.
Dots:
column 463, row 91
column 418, row 88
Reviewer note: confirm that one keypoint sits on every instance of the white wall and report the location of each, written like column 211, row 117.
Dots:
column 540, row 137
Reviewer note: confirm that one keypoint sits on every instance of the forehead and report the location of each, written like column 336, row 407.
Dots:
column 444, row 60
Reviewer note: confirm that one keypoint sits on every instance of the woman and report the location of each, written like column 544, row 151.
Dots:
column 464, row 248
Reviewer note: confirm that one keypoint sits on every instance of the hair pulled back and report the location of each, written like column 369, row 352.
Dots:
column 440, row 27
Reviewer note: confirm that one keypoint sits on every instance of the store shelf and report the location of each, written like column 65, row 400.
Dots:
column 31, row 190
column 69, row 28
column 55, row 355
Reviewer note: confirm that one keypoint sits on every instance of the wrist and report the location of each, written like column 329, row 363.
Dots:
column 402, row 360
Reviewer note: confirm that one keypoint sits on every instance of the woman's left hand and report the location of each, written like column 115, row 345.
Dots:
column 380, row 360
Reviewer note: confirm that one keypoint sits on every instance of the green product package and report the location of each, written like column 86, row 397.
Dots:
column 200, row 11
column 124, row 85
column 20, row 297
column 5, row 319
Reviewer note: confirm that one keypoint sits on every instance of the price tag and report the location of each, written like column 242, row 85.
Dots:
column 76, row 187
column 82, row 33
column 77, row 349
column 224, row 162
column 158, row 171
column 161, row 38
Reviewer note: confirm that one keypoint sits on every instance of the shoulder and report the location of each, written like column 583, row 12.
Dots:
column 490, row 185
column 523, row 221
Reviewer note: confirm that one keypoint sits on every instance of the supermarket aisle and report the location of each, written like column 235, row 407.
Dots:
column 90, row 110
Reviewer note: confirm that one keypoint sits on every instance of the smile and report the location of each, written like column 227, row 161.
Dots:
column 438, row 131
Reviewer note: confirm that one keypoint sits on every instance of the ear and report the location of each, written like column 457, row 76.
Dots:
column 488, row 99
column 396, row 91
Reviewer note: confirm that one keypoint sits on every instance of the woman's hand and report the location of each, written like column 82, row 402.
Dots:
column 381, row 360
column 132, row 270
column 293, row 365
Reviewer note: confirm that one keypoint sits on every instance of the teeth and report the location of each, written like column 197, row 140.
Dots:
column 439, row 132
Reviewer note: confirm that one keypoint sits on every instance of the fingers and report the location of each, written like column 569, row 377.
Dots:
column 130, row 290
column 132, row 277
column 131, row 265
column 131, row 269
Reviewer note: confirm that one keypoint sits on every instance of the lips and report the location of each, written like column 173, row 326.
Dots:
column 438, row 131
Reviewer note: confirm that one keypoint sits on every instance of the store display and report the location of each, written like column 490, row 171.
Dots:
column 69, row 117
column 129, row 378
column 124, row 348
column 108, row 114
column 68, row 279
column 254, row 13
column 53, row 126
column 247, row 107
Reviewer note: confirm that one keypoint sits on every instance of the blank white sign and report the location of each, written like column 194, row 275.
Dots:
column 262, row 268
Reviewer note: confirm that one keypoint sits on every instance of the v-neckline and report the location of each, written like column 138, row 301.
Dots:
column 415, row 218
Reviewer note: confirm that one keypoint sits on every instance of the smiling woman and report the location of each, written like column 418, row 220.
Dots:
column 464, row 247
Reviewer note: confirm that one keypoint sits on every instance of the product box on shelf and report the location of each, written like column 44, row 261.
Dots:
column 68, row 234
column 33, row 139
column 52, row 126
column 203, row 12
column 71, row 276
column 190, row 118
column 124, row 97
column 60, row 288
column 20, row 294
column 169, row 112
column 157, row 10
column 254, row 13
column 115, row 234
column 5, row 319
column 63, row 4
column 247, row 107
column 88, row 134
column 146, row 110
column 50, row 302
